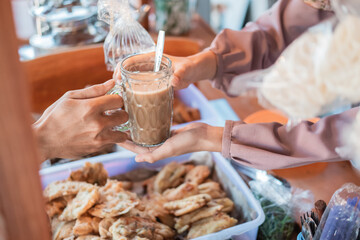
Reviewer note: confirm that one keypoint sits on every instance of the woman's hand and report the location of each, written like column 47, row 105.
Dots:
column 194, row 68
column 75, row 125
column 192, row 138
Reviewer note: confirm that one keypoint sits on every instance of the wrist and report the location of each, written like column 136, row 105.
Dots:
column 213, row 138
column 204, row 64
column 41, row 141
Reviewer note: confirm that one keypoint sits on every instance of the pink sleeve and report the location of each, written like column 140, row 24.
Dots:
column 270, row 146
column 260, row 43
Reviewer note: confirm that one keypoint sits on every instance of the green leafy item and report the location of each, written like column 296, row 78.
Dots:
column 278, row 224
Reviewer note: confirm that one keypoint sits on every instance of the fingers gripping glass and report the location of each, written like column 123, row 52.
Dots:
column 117, row 90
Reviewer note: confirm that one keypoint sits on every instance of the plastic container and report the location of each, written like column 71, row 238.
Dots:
column 122, row 162
column 192, row 97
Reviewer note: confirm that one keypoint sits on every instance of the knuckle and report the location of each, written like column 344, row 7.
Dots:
column 98, row 143
column 98, row 126
column 94, row 127
column 120, row 99
column 125, row 116
column 69, row 94
column 118, row 118
column 115, row 99
column 66, row 103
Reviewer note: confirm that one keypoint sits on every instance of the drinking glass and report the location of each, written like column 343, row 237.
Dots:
column 148, row 98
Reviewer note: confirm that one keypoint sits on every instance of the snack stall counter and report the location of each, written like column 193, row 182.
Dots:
column 242, row 222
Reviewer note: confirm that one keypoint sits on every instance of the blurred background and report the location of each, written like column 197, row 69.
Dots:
column 46, row 26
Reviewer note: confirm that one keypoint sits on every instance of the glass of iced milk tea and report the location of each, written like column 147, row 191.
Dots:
column 148, row 98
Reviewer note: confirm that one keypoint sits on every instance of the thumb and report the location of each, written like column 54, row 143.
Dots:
column 93, row 91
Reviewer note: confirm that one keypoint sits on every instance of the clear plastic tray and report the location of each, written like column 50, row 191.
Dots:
column 122, row 162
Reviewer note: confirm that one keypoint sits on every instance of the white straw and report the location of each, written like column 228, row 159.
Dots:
column 159, row 50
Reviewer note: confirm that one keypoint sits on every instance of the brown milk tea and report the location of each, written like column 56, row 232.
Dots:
column 149, row 104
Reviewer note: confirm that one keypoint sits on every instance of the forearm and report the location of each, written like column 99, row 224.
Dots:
column 204, row 64
column 260, row 43
column 212, row 139
column 271, row 146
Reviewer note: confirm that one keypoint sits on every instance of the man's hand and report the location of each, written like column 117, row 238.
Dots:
column 75, row 125
column 192, row 138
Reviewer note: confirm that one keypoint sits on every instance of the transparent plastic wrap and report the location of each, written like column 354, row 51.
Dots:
column 281, row 205
column 126, row 35
column 341, row 219
column 317, row 73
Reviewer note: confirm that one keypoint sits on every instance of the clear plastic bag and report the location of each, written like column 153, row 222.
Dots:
column 341, row 219
column 126, row 35
column 317, row 73
column 281, row 206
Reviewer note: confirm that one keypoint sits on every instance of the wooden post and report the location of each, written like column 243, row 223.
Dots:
column 21, row 202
